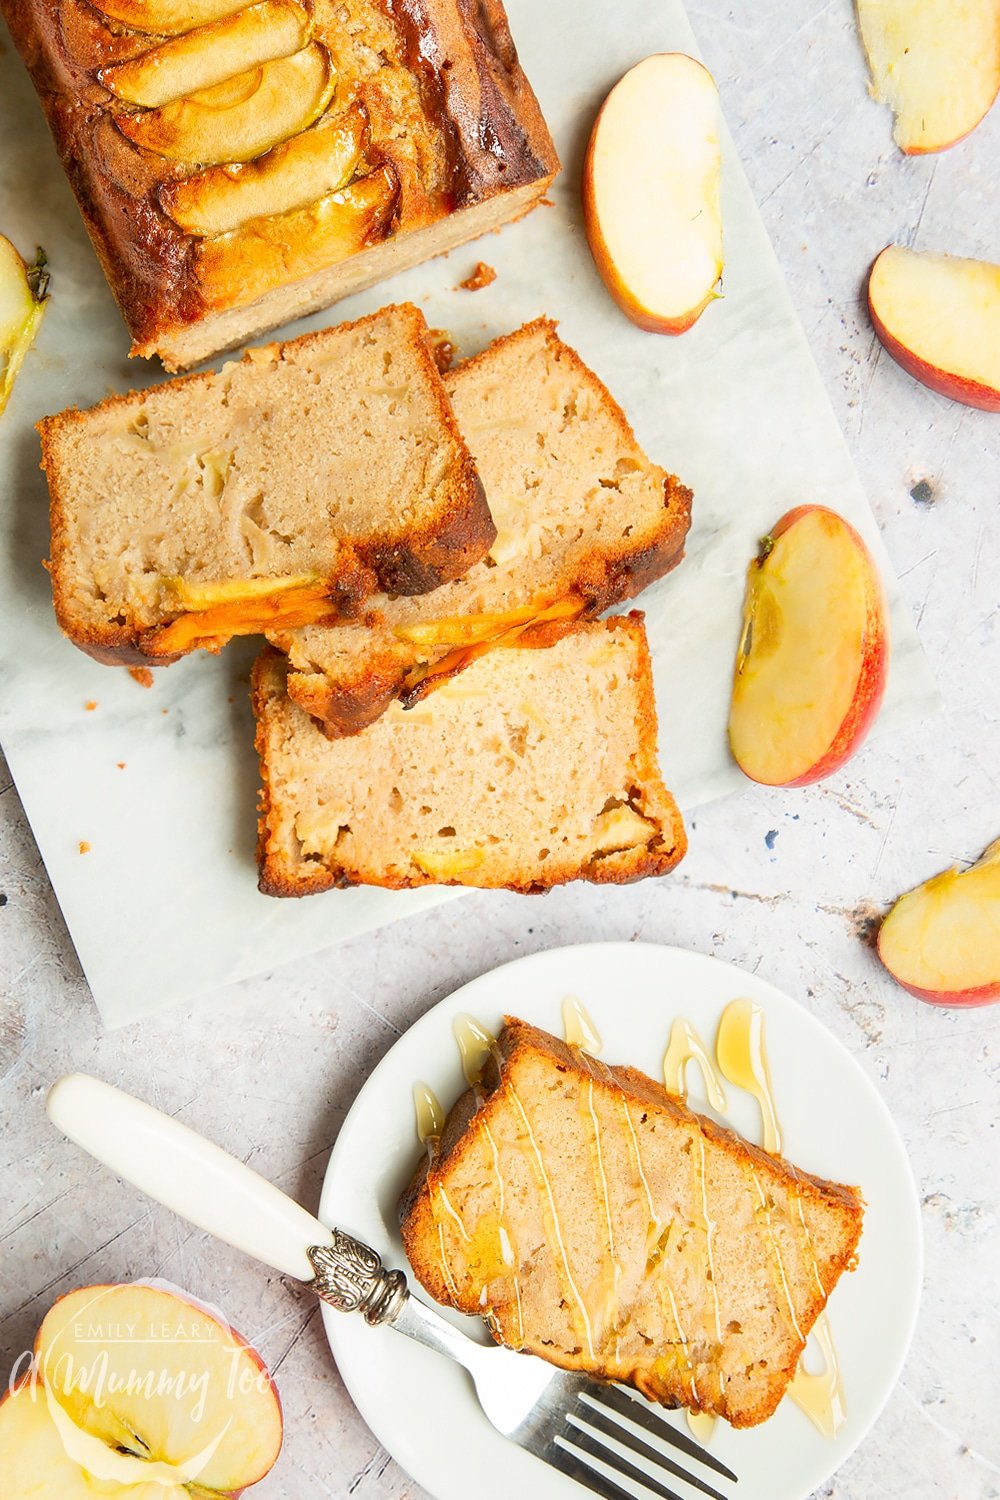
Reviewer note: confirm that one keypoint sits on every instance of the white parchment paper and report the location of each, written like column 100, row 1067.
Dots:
column 143, row 805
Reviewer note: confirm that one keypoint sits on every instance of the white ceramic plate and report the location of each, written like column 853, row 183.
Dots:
column 423, row 1409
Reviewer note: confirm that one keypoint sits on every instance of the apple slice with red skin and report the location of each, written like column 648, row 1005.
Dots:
column 161, row 1384
column 936, row 63
column 939, row 317
column 651, row 192
column 941, row 941
column 814, row 652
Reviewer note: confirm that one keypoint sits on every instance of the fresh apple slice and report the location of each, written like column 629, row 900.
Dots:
column 941, row 941
column 298, row 172
column 22, row 307
column 36, row 1463
column 651, row 192
column 270, row 251
column 162, row 1381
column 211, row 54
column 814, row 653
column 242, row 118
column 936, row 63
column 939, row 317
column 167, row 17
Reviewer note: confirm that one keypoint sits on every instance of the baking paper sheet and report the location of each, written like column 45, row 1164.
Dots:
column 143, row 805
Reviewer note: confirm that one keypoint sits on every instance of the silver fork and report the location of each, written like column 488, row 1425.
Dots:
column 609, row 1440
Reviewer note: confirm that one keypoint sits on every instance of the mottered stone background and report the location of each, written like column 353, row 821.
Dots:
column 787, row 883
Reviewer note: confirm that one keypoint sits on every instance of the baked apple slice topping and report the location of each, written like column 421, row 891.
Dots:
column 241, row 118
column 22, row 306
column 167, row 17
column 211, row 54
column 935, row 63
column 941, row 941
column 939, row 317
column 814, row 652
column 651, row 192
column 298, row 172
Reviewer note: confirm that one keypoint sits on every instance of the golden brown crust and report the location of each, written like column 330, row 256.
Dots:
column 457, row 1139
column 407, row 559
column 280, row 876
column 453, row 120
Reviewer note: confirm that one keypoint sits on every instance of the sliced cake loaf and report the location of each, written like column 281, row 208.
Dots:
column 596, row 1221
column 287, row 487
column 584, row 520
column 536, row 766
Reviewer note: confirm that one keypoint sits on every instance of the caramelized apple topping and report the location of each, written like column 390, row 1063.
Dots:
column 214, row 613
column 471, row 636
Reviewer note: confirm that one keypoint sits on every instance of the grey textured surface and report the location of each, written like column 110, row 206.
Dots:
column 269, row 1068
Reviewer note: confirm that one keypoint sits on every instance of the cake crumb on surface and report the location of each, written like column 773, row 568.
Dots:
column 482, row 276
column 84, row 846
column 142, row 675
column 90, row 705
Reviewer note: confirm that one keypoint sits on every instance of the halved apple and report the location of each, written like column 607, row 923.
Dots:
column 651, row 192
column 941, row 941
column 939, row 317
column 242, row 118
column 298, row 172
column 167, row 17
column 814, row 652
column 22, row 306
column 35, row 1461
column 211, row 54
column 270, row 251
column 936, row 63
column 164, row 1386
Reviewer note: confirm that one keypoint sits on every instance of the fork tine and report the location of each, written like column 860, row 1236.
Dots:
column 639, row 1411
column 562, row 1457
column 640, row 1446
column 629, row 1468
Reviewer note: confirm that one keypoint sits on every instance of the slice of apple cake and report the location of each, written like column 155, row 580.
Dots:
column 584, row 520
column 535, row 767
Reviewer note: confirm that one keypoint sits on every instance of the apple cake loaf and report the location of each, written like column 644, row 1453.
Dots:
column 239, row 165
column 536, row 766
column 595, row 1220
column 288, row 486
column 584, row 520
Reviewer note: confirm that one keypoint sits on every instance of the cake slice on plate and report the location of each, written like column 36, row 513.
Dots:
column 584, row 520
column 595, row 1220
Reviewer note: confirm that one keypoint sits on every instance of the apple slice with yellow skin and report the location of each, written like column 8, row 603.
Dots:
column 211, row 54
column 651, row 192
column 936, row 63
column 270, row 251
column 298, row 172
column 941, row 941
column 241, row 118
column 22, row 307
column 163, row 1384
column 814, row 653
column 167, row 17
column 939, row 317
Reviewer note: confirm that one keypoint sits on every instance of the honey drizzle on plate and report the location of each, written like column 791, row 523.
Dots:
column 742, row 1059
column 821, row 1396
column 430, row 1123
column 686, row 1046
column 578, row 1029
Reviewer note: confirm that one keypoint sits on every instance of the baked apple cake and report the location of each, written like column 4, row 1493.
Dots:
column 239, row 165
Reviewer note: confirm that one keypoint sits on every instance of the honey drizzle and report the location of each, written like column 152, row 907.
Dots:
column 507, row 1255
column 602, row 1177
column 554, row 1220
column 686, row 1046
column 709, row 1226
column 769, row 1228
column 821, row 1396
column 430, row 1122
column 430, row 1117
column 579, row 1030
column 475, row 1045
column 742, row 1058
column 702, row 1424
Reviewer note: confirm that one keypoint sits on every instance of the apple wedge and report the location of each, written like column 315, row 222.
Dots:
column 35, row 1461
column 270, row 251
column 651, row 192
column 939, row 317
column 814, row 652
column 319, row 161
column 167, row 17
column 242, row 118
column 211, row 54
column 140, row 1381
column 941, row 941
column 936, row 63
column 22, row 307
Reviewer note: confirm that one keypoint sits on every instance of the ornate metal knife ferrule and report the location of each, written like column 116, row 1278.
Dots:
column 350, row 1276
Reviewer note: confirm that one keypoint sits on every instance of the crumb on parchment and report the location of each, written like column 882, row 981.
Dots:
column 84, row 846
column 142, row 675
column 482, row 276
